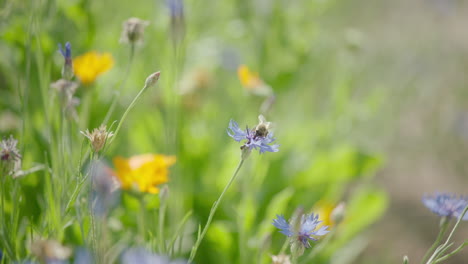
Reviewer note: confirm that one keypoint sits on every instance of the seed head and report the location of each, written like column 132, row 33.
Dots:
column 133, row 30
column 98, row 137
column 10, row 158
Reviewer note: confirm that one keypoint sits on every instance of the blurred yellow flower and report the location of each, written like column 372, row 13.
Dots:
column 90, row 65
column 252, row 82
column 143, row 172
column 324, row 209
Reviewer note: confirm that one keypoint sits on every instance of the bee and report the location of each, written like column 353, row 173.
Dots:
column 262, row 129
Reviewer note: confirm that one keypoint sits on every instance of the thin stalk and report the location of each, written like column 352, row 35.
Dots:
column 124, row 116
column 141, row 218
column 452, row 253
column 443, row 247
column 178, row 230
column 441, row 234
column 122, row 85
column 212, row 212
column 162, row 214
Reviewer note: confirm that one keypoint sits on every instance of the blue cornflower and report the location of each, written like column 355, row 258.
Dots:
column 67, row 70
column 176, row 10
column 176, row 7
column 446, row 205
column 259, row 138
column 306, row 231
column 67, row 52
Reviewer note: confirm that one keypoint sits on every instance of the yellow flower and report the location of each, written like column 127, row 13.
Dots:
column 144, row 172
column 90, row 65
column 252, row 82
column 324, row 209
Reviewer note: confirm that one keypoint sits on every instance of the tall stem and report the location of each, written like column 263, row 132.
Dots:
column 213, row 211
column 443, row 247
column 442, row 231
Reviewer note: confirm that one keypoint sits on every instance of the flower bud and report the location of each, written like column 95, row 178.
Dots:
column 67, row 70
column 10, row 158
column 152, row 79
column 133, row 30
column 338, row 213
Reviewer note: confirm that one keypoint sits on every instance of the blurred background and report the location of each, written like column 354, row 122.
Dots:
column 370, row 108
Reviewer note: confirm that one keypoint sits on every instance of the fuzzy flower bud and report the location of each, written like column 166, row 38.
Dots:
column 338, row 213
column 133, row 30
column 10, row 158
column 152, row 79
column 67, row 70
column 98, row 137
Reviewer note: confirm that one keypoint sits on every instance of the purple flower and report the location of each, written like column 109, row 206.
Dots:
column 446, row 205
column 176, row 7
column 307, row 228
column 67, row 70
column 254, row 139
column 67, row 52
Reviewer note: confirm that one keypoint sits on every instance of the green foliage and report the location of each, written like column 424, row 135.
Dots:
column 316, row 109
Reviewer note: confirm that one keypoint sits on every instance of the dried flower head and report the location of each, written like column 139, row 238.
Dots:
column 281, row 259
column 66, row 90
column 98, row 137
column 252, row 82
column 143, row 172
column 133, row 30
column 67, row 70
column 50, row 251
column 258, row 138
column 10, row 158
column 307, row 229
column 90, row 65
column 446, row 205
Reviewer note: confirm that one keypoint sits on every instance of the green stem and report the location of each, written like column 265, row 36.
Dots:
column 452, row 253
column 212, row 212
column 162, row 213
column 443, row 247
column 178, row 231
column 441, row 234
column 141, row 218
column 124, row 116
column 122, row 85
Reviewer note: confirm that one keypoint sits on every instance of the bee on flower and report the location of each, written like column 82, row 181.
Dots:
column 90, row 65
column 258, row 138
